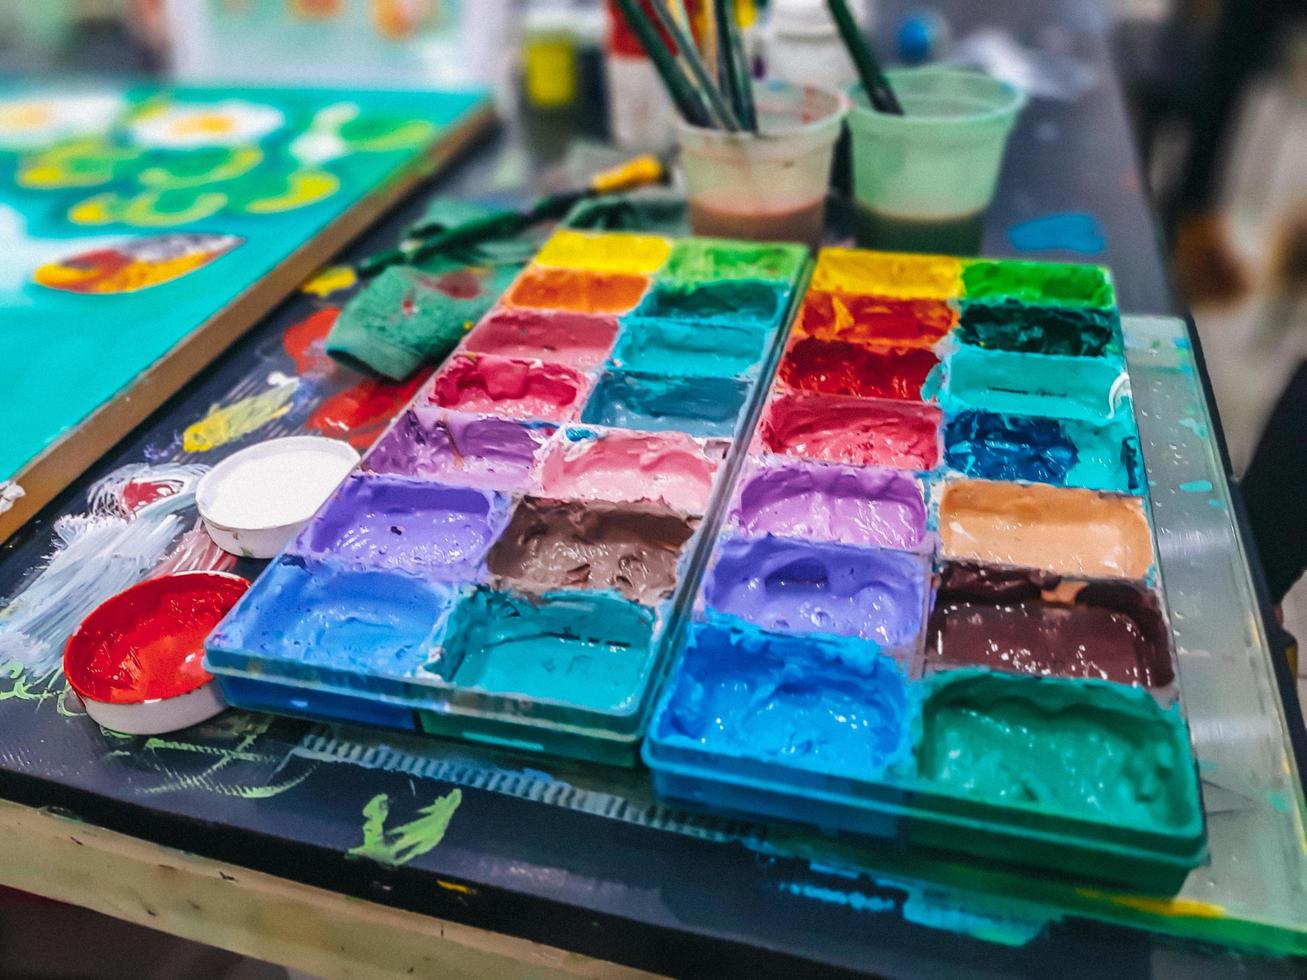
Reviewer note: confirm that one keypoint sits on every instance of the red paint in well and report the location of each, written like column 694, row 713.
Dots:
column 509, row 387
column 361, row 412
column 861, row 431
column 578, row 339
column 306, row 342
column 147, row 642
column 874, row 319
column 838, row 368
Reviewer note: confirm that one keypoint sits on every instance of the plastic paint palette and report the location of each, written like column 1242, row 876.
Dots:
column 510, row 560
column 932, row 611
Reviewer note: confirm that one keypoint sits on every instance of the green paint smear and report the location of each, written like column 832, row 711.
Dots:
column 1077, row 748
column 402, row 844
column 708, row 260
column 1050, row 283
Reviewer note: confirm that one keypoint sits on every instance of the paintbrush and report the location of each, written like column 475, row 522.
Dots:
column 874, row 82
column 684, row 42
column 424, row 241
column 688, row 101
column 732, row 65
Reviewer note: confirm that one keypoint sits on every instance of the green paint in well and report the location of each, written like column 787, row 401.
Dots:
column 588, row 649
column 702, row 260
column 401, row 844
column 1082, row 749
column 1041, row 283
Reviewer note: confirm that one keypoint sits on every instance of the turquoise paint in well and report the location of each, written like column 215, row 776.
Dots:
column 743, row 302
column 592, row 650
column 1089, row 389
column 309, row 614
column 688, row 348
column 819, row 703
column 700, row 406
column 89, row 348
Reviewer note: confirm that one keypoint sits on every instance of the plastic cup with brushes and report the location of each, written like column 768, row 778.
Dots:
column 756, row 156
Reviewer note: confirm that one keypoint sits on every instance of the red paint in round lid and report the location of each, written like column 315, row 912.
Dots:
column 147, row 642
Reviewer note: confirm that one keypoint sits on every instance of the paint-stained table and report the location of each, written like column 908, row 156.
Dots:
column 348, row 853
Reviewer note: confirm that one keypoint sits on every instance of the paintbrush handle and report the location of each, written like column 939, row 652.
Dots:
column 687, row 100
column 739, row 65
column 685, row 44
column 874, row 82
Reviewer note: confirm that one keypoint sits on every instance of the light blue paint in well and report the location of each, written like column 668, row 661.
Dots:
column 699, row 406
column 688, row 348
column 1085, row 388
column 819, row 703
column 589, row 649
column 319, row 614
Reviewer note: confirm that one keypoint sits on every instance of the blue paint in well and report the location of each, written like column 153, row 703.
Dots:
column 1066, row 231
column 701, row 406
column 588, row 649
column 1085, row 388
column 688, row 348
column 308, row 615
column 814, row 703
column 989, row 446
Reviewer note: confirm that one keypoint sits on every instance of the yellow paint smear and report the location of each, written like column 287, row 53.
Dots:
column 637, row 255
column 330, row 280
column 1188, row 908
column 453, row 886
column 894, row 274
column 238, row 419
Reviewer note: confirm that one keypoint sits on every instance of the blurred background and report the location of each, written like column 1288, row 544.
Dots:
column 1216, row 89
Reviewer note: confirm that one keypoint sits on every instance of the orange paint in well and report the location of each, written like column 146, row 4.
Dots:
column 570, row 289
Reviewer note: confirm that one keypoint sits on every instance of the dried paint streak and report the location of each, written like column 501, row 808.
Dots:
column 225, row 424
column 407, row 841
column 330, row 280
column 133, row 523
column 195, row 552
column 1188, row 908
column 306, row 343
column 360, row 413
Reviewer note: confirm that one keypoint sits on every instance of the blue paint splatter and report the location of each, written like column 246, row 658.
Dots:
column 1197, row 486
column 1216, row 502
column 1069, row 231
column 858, row 901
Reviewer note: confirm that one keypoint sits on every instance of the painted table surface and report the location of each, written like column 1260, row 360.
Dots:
column 583, row 857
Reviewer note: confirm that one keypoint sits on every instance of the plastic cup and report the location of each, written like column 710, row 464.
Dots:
column 923, row 180
column 770, row 185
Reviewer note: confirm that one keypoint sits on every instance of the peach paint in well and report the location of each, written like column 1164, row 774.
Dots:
column 1073, row 532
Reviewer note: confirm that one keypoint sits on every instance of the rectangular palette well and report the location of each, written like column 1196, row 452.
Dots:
column 510, row 560
column 932, row 611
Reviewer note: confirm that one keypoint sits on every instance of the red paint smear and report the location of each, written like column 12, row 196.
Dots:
column 306, row 342
column 460, row 283
column 875, row 320
column 138, row 493
column 147, row 642
column 360, row 413
column 837, row 368
column 864, row 432
column 508, row 387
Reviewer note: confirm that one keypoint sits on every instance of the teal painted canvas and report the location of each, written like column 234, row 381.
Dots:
column 132, row 217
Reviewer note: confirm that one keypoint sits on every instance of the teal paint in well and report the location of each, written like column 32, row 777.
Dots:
column 687, row 348
column 592, row 650
column 700, row 406
column 1088, row 389
column 817, row 703
column 311, row 614
column 744, row 302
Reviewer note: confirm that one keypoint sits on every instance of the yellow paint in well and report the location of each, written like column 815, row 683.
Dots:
column 226, row 423
column 330, row 280
column 638, row 255
column 848, row 270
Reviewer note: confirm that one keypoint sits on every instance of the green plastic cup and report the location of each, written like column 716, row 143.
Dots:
column 923, row 180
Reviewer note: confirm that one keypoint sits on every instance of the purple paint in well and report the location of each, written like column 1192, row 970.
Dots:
column 803, row 587
column 438, row 531
column 560, row 337
column 433, row 443
column 847, row 504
